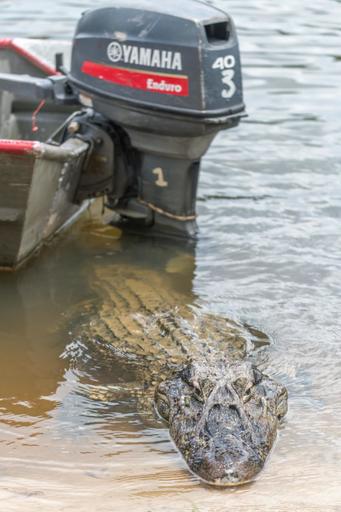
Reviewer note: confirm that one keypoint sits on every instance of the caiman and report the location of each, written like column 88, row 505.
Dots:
column 222, row 412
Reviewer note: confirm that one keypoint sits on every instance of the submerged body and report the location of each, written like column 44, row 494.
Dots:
column 222, row 412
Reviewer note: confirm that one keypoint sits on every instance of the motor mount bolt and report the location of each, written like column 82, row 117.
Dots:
column 73, row 127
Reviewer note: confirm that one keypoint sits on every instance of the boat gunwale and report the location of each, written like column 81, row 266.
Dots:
column 67, row 151
column 11, row 44
column 19, row 147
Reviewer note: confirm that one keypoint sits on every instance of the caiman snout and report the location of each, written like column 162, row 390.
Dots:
column 223, row 418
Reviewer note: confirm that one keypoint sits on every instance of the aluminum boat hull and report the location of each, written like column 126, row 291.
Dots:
column 37, row 179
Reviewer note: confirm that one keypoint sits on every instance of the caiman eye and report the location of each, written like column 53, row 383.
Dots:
column 247, row 394
column 257, row 375
column 198, row 397
column 240, row 385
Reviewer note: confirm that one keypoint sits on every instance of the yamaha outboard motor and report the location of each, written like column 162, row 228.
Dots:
column 156, row 81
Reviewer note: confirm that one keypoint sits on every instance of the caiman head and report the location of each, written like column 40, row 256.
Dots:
column 223, row 419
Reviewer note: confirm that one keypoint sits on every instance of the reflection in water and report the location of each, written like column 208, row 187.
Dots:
column 30, row 343
column 268, row 255
column 39, row 304
column 55, row 394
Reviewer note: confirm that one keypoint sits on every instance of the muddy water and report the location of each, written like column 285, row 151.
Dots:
column 268, row 256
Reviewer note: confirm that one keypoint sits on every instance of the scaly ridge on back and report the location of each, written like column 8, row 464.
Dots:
column 223, row 413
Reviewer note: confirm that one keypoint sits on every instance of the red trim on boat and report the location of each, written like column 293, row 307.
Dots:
column 19, row 147
column 10, row 44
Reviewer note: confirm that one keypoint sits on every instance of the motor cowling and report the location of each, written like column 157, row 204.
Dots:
column 167, row 78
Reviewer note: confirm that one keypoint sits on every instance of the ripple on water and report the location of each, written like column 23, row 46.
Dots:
column 269, row 210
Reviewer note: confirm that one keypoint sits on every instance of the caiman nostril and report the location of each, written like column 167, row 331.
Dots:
column 232, row 476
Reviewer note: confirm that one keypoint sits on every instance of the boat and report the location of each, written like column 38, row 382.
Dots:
column 120, row 113
column 37, row 179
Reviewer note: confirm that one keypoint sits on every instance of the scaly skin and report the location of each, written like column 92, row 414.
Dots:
column 222, row 412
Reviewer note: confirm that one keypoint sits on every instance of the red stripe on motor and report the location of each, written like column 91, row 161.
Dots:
column 152, row 82
column 18, row 147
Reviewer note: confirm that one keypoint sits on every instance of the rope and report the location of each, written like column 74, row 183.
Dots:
column 182, row 218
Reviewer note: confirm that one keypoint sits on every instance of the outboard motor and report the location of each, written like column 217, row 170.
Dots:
column 156, row 81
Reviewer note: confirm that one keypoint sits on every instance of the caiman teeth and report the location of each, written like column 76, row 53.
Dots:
column 220, row 482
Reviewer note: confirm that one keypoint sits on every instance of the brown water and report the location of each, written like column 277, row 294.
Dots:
column 268, row 256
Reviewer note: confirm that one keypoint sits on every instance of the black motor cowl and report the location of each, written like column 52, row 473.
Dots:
column 168, row 76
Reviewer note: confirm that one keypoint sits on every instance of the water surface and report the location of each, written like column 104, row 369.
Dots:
column 268, row 256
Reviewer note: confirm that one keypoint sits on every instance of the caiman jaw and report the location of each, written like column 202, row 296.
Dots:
column 223, row 419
